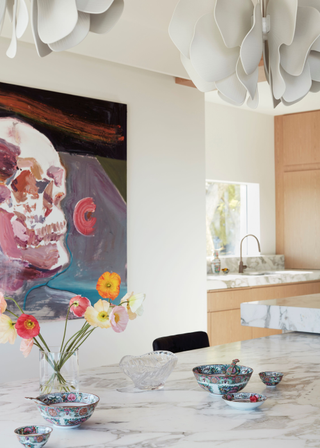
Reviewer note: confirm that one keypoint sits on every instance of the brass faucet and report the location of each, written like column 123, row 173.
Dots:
column 241, row 265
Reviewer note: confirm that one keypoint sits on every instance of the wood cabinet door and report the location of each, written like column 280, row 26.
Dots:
column 302, row 219
column 301, row 138
column 225, row 327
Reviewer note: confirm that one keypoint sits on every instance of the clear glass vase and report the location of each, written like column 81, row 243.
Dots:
column 59, row 371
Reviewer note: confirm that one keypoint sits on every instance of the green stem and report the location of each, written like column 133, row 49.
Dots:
column 44, row 342
column 65, row 328
column 8, row 311
column 38, row 344
column 10, row 298
column 74, row 336
column 88, row 334
column 70, row 353
column 70, row 349
column 84, row 328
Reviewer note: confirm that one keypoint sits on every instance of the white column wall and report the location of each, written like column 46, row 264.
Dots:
column 240, row 148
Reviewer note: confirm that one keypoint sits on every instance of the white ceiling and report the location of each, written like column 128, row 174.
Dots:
column 140, row 39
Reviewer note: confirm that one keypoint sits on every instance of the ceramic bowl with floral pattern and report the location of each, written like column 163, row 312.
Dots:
column 244, row 401
column 33, row 436
column 67, row 410
column 271, row 379
column 214, row 378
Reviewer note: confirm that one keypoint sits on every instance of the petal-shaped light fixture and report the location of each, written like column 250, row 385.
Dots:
column 58, row 25
column 221, row 43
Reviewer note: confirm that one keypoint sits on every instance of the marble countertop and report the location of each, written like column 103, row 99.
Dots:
column 298, row 313
column 224, row 281
column 182, row 414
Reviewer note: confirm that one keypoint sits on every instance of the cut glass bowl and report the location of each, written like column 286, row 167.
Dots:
column 149, row 371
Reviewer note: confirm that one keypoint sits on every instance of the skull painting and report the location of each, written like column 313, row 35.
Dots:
column 32, row 222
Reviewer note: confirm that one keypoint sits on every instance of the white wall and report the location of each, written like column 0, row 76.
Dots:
column 240, row 148
column 166, row 200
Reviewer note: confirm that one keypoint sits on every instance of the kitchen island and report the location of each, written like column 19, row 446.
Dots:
column 184, row 415
column 225, row 294
column 299, row 313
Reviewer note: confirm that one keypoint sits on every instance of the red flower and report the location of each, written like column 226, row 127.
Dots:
column 254, row 398
column 79, row 305
column 27, row 326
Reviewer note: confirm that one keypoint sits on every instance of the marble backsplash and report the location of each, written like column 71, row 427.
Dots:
column 257, row 263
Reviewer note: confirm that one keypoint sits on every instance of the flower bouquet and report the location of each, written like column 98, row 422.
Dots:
column 103, row 314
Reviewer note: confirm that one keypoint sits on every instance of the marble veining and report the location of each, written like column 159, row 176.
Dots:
column 299, row 313
column 257, row 263
column 182, row 414
column 223, row 281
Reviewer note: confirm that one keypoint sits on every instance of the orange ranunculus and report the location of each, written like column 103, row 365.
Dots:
column 108, row 285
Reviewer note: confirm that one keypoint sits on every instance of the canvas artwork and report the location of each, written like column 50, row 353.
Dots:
column 63, row 214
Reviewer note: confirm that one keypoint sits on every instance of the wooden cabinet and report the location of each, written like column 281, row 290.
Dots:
column 302, row 216
column 224, row 318
column 297, row 165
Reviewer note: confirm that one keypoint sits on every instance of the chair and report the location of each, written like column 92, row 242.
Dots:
column 182, row 342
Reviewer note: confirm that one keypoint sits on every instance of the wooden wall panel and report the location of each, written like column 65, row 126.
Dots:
column 278, row 156
column 301, row 138
column 297, row 169
column 302, row 219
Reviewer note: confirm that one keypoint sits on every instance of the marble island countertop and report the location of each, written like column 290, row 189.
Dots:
column 183, row 415
column 234, row 280
column 298, row 313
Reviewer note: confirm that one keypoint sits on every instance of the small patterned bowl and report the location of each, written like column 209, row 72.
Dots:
column 214, row 379
column 271, row 379
column 244, row 401
column 67, row 410
column 33, row 436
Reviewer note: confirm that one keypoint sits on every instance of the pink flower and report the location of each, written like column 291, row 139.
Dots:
column 72, row 397
column 26, row 346
column 79, row 305
column 3, row 304
column 119, row 318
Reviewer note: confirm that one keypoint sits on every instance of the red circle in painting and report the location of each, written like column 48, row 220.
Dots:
column 82, row 216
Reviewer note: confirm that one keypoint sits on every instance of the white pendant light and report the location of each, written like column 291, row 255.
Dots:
column 222, row 41
column 58, row 25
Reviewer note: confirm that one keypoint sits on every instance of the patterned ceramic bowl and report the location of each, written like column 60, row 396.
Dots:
column 271, row 379
column 33, row 436
column 244, row 401
column 67, row 410
column 214, row 378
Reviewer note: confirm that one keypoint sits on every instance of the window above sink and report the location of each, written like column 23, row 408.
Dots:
column 232, row 211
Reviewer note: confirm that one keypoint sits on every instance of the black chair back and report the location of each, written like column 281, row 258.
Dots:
column 182, row 342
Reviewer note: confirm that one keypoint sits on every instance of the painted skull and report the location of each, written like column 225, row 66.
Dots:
column 32, row 185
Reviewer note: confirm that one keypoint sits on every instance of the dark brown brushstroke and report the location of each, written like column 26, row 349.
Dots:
column 110, row 134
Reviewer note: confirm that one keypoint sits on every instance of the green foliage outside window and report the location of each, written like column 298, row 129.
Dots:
column 223, row 202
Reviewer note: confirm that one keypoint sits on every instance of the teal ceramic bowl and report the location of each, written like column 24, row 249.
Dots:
column 67, row 410
column 214, row 379
column 33, row 436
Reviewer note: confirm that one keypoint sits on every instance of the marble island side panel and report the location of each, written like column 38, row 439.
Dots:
column 299, row 313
